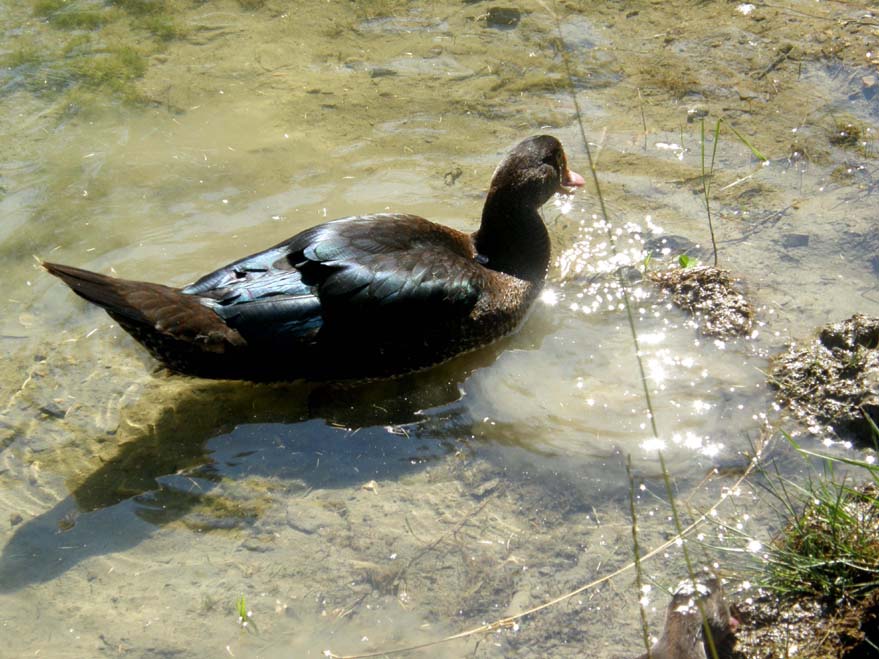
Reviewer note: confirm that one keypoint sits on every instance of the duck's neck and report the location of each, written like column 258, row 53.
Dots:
column 513, row 239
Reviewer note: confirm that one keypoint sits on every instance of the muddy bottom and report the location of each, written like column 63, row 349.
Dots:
column 806, row 628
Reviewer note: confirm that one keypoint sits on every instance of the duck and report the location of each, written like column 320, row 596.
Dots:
column 684, row 634
column 358, row 298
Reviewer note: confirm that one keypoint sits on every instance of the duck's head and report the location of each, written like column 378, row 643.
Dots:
column 533, row 172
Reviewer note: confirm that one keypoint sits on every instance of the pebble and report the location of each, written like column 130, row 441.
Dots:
column 795, row 240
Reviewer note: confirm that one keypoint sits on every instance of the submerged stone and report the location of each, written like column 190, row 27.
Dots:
column 834, row 379
column 503, row 17
column 795, row 240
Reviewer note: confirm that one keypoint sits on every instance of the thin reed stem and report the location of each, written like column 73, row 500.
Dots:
column 706, row 181
column 610, row 237
column 639, row 582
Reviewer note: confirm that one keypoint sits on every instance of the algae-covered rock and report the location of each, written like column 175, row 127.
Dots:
column 833, row 380
column 711, row 295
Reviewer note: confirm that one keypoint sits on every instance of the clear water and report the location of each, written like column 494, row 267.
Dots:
column 141, row 506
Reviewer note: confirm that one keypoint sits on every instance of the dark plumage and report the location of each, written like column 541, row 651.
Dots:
column 361, row 297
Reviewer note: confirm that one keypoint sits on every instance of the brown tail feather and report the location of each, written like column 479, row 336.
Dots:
column 144, row 308
column 106, row 292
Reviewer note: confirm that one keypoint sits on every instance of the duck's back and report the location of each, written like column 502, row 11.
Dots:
column 360, row 297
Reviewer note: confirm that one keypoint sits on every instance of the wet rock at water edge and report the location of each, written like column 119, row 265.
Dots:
column 696, row 114
column 381, row 72
column 53, row 410
column 711, row 295
column 697, row 603
column 310, row 517
column 833, row 380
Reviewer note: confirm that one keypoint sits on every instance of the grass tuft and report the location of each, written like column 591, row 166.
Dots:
column 830, row 547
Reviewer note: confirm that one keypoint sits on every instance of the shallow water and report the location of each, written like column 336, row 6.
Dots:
column 141, row 506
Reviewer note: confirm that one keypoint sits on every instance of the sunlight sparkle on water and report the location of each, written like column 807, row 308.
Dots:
column 656, row 370
column 651, row 338
column 694, row 442
column 677, row 149
column 549, row 297
column 688, row 440
column 655, row 229
column 700, row 406
column 593, row 252
column 564, row 203
column 653, row 444
column 664, row 363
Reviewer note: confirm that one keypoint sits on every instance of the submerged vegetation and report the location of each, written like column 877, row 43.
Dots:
column 98, row 60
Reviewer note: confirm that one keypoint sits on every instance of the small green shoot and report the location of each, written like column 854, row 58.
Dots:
column 245, row 616
column 686, row 261
column 759, row 156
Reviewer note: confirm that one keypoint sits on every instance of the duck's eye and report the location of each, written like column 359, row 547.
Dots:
column 552, row 160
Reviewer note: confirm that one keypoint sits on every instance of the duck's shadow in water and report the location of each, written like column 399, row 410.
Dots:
column 184, row 436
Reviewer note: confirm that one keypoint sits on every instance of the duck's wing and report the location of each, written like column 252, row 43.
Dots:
column 374, row 269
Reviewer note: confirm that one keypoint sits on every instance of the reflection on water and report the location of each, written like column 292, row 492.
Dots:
column 160, row 140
